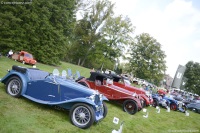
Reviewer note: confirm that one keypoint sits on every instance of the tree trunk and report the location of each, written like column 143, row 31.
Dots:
column 79, row 61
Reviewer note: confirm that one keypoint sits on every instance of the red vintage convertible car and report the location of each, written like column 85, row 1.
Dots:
column 104, row 84
column 124, row 82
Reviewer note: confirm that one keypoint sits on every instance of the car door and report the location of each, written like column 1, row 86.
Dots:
column 44, row 90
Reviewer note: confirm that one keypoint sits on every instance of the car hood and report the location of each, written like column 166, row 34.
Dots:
column 72, row 84
column 134, row 88
column 122, row 90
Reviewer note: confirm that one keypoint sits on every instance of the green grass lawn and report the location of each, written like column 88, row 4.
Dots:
column 20, row 115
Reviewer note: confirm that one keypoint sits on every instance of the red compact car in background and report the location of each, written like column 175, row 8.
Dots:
column 24, row 57
column 104, row 84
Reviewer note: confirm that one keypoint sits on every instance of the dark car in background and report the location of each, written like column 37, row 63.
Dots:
column 194, row 107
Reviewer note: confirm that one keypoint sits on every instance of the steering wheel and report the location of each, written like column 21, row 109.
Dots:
column 50, row 74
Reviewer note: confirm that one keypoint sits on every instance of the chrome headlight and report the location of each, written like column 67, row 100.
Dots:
column 134, row 94
column 148, row 93
column 101, row 97
column 96, row 97
column 92, row 97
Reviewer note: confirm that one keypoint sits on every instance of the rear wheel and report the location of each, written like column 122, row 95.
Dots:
column 184, row 108
column 82, row 115
column 14, row 86
column 173, row 106
column 130, row 107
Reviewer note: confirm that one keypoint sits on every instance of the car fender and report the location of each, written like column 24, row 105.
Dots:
column 156, row 97
column 20, row 75
column 145, row 98
column 104, row 98
column 69, row 103
column 171, row 101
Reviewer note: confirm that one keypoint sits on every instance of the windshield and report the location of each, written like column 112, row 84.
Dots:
column 29, row 55
column 109, row 81
column 127, row 82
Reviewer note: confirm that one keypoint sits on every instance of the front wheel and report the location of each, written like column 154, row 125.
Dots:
column 14, row 86
column 155, row 103
column 184, row 108
column 130, row 107
column 105, row 110
column 82, row 115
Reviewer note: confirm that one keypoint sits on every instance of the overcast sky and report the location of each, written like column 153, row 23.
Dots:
column 173, row 23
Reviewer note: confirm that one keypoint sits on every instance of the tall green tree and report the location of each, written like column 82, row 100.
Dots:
column 147, row 60
column 99, row 37
column 117, row 34
column 192, row 73
column 87, row 31
column 42, row 28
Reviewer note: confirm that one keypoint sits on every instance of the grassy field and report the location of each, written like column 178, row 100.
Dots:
column 20, row 115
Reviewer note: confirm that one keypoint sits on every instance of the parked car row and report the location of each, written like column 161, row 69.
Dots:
column 83, row 97
column 168, row 101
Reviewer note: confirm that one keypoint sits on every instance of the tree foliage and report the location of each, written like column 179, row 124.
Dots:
column 192, row 73
column 147, row 60
column 87, row 33
column 99, row 38
column 117, row 35
column 42, row 28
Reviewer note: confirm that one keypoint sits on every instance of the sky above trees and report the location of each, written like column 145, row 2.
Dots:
column 174, row 23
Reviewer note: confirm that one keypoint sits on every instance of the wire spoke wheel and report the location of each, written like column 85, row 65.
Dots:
column 130, row 107
column 14, row 86
column 82, row 115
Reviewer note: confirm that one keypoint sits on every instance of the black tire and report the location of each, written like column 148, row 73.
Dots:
column 173, row 106
column 130, row 107
column 155, row 102
column 105, row 110
column 14, row 86
column 184, row 108
column 82, row 115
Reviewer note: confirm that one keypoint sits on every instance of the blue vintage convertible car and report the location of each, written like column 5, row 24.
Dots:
column 164, row 101
column 86, row 106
